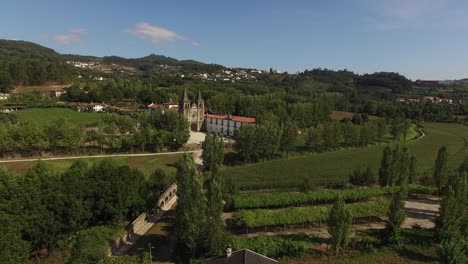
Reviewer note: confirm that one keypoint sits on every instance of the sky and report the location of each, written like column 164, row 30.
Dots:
column 421, row 39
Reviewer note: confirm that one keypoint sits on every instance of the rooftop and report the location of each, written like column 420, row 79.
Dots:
column 234, row 118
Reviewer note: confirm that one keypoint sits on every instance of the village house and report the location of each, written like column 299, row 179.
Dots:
column 164, row 106
column 57, row 92
column 4, row 96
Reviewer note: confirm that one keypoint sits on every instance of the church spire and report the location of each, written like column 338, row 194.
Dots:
column 199, row 96
column 185, row 96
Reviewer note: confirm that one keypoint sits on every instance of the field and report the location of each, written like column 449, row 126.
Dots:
column 340, row 115
column 43, row 116
column 147, row 164
column 323, row 168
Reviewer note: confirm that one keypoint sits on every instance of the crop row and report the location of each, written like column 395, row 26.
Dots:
column 298, row 215
column 272, row 246
column 286, row 199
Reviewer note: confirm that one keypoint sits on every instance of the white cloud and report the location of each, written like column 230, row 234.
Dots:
column 75, row 35
column 157, row 34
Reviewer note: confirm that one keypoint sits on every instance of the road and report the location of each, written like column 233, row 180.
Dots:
column 98, row 156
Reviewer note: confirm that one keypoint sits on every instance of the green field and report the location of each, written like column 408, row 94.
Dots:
column 43, row 116
column 335, row 166
column 147, row 164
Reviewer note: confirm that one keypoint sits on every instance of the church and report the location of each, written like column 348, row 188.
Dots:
column 199, row 121
column 194, row 113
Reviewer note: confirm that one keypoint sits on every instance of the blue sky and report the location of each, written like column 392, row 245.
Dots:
column 422, row 39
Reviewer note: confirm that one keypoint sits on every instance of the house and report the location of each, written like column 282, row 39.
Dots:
column 4, row 96
column 11, row 108
column 57, row 92
column 226, row 125
column 244, row 256
column 168, row 105
column 98, row 107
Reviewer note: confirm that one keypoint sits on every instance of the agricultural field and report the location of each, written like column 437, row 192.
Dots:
column 322, row 168
column 147, row 164
column 42, row 116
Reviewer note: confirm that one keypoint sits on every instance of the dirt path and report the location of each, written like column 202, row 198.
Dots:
column 421, row 212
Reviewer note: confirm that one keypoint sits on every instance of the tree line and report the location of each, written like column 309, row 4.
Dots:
column 44, row 208
column 144, row 132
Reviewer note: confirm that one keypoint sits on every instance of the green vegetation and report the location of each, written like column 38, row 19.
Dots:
column 339, row 226
column 43, row 116
column 286, row 199
column 276, row 246
column 321, row 168
column 299, row 215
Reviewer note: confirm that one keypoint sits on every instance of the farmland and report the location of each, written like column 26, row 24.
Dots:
column 323, row 168
column 45, row 115
column 147, row 164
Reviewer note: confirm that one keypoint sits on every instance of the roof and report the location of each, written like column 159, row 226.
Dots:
column 244, row 256
column 234, row 118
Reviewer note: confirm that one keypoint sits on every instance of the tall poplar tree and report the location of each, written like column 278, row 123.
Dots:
column 191, row 207
column 440, row 168
column 214, row 239
column 396, row 215
column 385, row 171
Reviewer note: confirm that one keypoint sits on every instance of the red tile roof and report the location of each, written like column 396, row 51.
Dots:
column 234, row 118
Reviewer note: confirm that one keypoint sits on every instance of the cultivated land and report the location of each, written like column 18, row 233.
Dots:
column 43, row 116
column 335, row 166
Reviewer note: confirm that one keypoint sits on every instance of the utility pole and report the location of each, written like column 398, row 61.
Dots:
column 150, row 256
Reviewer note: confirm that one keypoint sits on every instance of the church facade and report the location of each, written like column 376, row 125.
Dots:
column 193, row 112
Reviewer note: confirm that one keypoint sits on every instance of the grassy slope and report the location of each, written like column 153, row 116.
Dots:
column 45, row 115
column 147, row 164
column 335, row 166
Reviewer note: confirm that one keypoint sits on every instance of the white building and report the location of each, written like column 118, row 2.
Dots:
column 98, row 107
column 4, row 96
column 227, row 125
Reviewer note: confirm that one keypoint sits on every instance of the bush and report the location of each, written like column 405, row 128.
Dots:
column 91, row 245
column 362, row 177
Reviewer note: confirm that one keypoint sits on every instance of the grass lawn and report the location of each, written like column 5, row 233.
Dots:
column 335, row 166
column 43, row 116
column 147, row 164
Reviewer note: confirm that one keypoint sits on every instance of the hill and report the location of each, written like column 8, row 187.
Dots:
column 27, row 63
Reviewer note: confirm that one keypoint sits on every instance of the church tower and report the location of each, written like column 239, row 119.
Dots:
column 194, row 113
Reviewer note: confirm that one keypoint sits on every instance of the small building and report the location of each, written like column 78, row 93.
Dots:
column 226, row 125
column 4, row 96
column 57, row 92
column 98, row 107
column 11, row 108
column 244, row 256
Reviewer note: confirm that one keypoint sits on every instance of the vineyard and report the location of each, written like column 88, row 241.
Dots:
column 286, row 199
column 299, row 215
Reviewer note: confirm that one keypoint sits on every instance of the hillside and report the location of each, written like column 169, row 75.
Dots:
column 27, row 63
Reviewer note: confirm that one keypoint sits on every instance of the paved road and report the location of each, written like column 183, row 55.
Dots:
column 98, row 156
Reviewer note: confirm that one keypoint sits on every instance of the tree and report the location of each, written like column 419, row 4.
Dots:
column 288, row 138
column 191, row 207
column 386, row 167
column 412, row 167
column 381, row 130
column 314, row 138
column 214, row 236
column 362, row 178
column 406, row 125
column 452, row 223
column 246, row 143
column 213, row 151
column 396, row 215
column 440, row 168
column 13, row 249
column 339, row 225
column 6, row 82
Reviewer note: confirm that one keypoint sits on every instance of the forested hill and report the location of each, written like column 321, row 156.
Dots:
column 27, row 63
